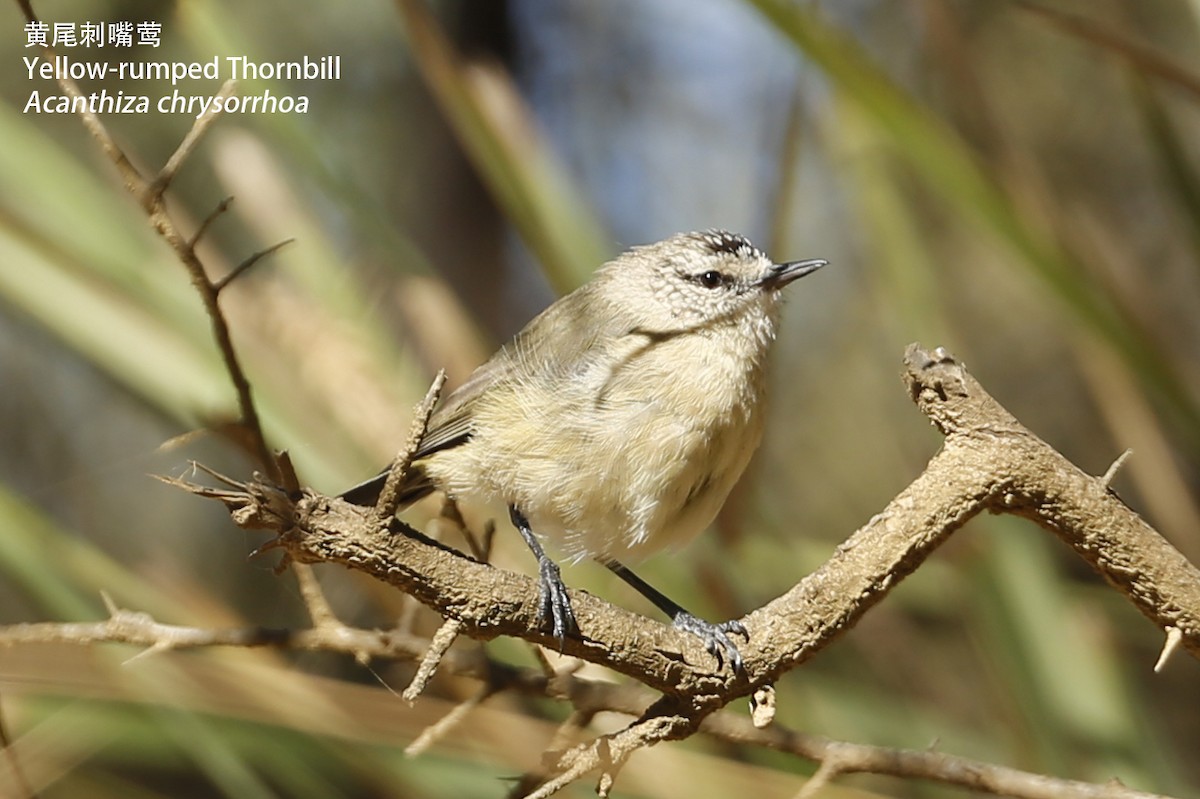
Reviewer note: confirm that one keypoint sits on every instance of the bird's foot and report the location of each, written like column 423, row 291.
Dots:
column 716, row 637
column 554, row 606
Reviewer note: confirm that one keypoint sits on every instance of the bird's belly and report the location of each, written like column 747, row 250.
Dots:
column 621, row 489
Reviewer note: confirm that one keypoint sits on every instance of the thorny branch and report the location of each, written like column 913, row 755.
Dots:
column 989, row 462
column 587, row 696
column 150, row 195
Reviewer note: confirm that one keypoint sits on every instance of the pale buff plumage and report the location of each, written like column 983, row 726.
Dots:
column 619, row 419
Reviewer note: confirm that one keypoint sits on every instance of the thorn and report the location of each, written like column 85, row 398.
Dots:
column 291, row 482
column 241, row 268
column 229, row 481
column 109, row 605
column 1115, row 467
column 438, row 646
column 1174, row 639
column 153, row 649
column 221, row 208
column 284, row 563
column 274, row 543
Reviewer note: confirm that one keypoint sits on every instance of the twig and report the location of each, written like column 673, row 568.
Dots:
column 565, row 736
column 389, row 497
column 609, row 752
column 830, row 767
column 236, row 272
column 135, row 184
column 149, row 196
column 165, row 175
column 441, row 643
column 319, row 611
column 209, row 296
column 924, row 764
column 14, row 763
column 435, row 732
column 481, row 547
column 221, row 208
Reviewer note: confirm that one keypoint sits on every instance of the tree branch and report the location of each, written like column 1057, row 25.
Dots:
column 989, row 462
column 149, row 195
column 588, row 697
column 842, row 757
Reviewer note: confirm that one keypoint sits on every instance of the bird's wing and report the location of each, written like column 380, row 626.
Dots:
column 549, row 349
column 553, row 349
column 449, row 427
column 450, row 424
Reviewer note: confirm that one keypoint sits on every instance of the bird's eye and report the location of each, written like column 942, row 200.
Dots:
column 711, row 279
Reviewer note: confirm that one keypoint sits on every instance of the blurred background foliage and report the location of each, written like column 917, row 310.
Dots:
column 1017, row 185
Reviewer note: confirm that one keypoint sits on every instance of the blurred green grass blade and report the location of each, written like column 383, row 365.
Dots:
column 126, row 305
column 1143, row 58
column 908, row 282
column 944, row 160
column 531, row 188
column 113, row 332
column 1074, row 700
column 123, row 337
column 26, row 557
column 213, row 753
column 85, row 222
column 1176, row 168
column 65, row 573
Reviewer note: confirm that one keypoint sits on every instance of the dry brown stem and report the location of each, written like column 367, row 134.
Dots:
column 989, row 462
column 150, row 195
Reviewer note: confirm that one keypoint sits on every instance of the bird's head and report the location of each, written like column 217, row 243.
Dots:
column 697, row 281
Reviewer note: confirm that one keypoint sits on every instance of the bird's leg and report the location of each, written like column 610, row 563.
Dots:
column 554, row 604
column 715, row 636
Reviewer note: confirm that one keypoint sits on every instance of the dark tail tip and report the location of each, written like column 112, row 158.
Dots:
column 365, row 493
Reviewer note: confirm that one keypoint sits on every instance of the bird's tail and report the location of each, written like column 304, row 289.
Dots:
column 415, row 486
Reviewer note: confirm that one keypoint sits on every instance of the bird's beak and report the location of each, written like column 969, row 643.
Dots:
column 780, row 275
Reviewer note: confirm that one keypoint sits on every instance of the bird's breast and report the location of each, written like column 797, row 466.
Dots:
column 636, row 450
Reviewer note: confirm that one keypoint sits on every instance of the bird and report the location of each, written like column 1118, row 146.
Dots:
column 616, row 423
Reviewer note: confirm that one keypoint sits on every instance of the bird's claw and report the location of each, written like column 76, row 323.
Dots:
column 554, row 605
column 716, row 638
